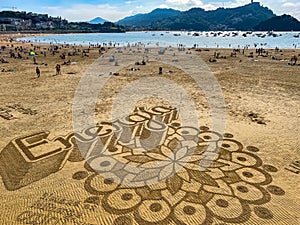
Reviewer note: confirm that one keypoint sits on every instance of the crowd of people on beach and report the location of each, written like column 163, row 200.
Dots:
column 29, row 51
column 66, row 51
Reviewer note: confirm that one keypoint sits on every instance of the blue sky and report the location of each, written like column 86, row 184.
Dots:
column 84, row 10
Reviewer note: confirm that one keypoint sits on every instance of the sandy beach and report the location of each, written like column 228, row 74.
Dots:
column 257, row 185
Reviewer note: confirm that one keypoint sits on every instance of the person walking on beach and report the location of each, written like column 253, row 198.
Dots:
column 160, row 70
column 38, row 72
column 58, row 71
column 294, row 60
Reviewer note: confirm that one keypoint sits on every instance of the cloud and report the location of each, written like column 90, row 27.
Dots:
column 184, row 4
column 291, row 7
column 163, row 6
column 279, row 7
column 85, row 12
column 187, row 4
column 52, row 8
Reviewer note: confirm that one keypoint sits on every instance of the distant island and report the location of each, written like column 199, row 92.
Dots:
column 249, row 17
column 98, row 20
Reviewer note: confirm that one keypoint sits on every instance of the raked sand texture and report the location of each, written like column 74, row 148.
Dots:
column 195, row 174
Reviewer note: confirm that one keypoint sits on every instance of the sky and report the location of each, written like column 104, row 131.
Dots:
column 85, row 10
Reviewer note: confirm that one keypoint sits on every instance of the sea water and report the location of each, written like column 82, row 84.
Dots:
column 222, row 39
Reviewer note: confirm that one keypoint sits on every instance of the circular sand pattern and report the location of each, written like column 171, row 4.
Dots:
column 102, row 164
column 252, row 194
column 94, row 200
column 263, row 213
column 252, row 149
column 270, row 168
column 204, row 128
column 229, row 198
column 228, row 209
column 121, row 201
column 188, row 133
column 230, row 145
column 228, row 135
column 141, row 88
column 275, row 190
column 97, row 185
column 153, row 211
column 246, row 159
column 209, row 136
column 80, row 175
column 189, row 213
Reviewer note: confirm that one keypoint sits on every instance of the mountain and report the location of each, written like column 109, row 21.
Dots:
column 98, row 20
column 279, row 23
column 240, row 18
column 189, row 20
column 142, row 20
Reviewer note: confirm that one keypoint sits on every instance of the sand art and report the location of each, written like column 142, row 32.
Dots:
column 8, row 112
column 161, row 172
column 294, row 167
column 182, row 181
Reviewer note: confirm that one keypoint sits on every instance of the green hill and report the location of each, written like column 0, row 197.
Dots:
column 279, row 23
column 142, row 20
column 240, row 18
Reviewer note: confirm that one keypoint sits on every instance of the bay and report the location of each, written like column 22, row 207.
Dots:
column 225, row 39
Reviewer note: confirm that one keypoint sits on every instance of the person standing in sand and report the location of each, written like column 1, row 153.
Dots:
column 38, row 72
column 294, row 60
column 58, row 71
column 160, row 70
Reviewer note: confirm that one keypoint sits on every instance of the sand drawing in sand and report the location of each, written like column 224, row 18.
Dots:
column 188, row 176
column 8, row 112
column 28, row 159
column 5, row 114
column 294, row 167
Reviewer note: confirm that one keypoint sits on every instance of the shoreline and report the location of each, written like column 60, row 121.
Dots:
column 164, row 41
column 8, row 39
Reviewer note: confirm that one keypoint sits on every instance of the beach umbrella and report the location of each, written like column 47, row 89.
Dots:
column 32, row 53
